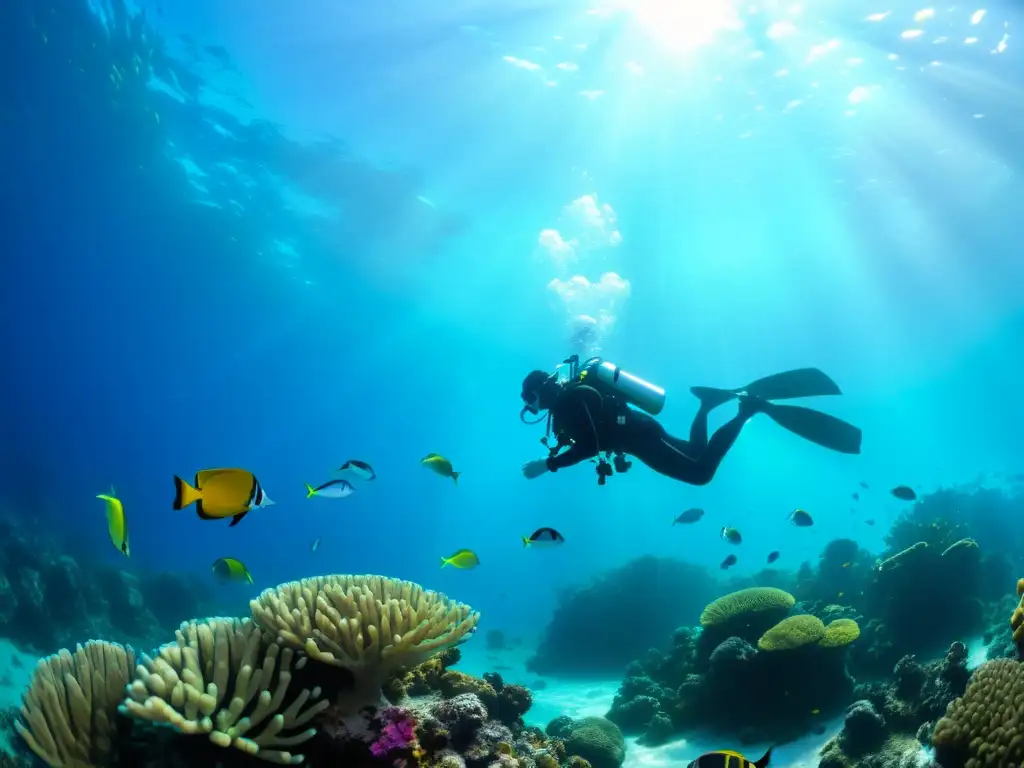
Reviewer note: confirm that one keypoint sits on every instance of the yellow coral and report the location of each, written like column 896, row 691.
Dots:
column 985, row 724
column 69, row 708
column 752, row 600
column 369, row 625
column 216, row 671
column 794, row 632
column 1017, row 620
column 839, row 633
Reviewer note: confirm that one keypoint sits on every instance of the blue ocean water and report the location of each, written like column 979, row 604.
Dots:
column 281, row 237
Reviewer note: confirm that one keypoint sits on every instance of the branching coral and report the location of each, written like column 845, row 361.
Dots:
column 220, row 678
column 68, row 710
column 368, row 625
column 902, row 558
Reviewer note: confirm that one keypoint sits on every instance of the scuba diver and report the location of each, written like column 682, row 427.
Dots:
column 597, row 408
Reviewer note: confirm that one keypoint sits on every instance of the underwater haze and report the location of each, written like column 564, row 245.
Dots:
column 283, row 236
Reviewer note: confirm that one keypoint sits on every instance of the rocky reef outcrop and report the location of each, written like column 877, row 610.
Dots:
column 661, row 594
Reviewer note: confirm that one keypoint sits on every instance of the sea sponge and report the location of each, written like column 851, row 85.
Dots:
column 69, row 708
column 751, row 600
column 217, row 671
column 985, row 726
column 839, row 633
column 453, row 683
column 794, row 632
column 368, row 625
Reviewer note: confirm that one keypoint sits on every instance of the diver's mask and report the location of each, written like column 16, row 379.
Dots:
column 536, row 395
column 531, row 404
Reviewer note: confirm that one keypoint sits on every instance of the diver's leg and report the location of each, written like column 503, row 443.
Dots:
column 668, row 455
column 699, row 428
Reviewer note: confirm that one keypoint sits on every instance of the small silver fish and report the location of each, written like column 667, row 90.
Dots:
column 332, row 489
column 315, row 545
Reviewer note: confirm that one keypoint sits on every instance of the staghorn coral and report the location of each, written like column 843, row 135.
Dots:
column 900, row 559
column 368, row 625
column 220, row 678
column 69, row 708
column 791, row 633
column 753, row 600
column 984, row 726
column 839, row 633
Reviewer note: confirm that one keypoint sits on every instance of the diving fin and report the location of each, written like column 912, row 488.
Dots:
column 821, row 428
column 787, row 385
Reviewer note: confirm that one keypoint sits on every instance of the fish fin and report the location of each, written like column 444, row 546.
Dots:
column 201, row 511
column 310, row 491
column 104, row 497
column 526, row 541
column 237, row 518
column 444, row 562
column 765, row 759
column 184, row 494
column 455, row 477
column 248, row 577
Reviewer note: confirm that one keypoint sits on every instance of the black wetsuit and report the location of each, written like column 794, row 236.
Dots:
column 597, row 424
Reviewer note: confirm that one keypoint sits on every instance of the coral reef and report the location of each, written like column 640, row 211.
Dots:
column 748, row 645
column 919, row 599
column 255, row 691
column 49, row 600
column 984, row 726
column 368, row 626
column 661, row 594
column 891, row 720
column 596, row 740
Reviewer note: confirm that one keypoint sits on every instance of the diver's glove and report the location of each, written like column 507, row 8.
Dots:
column 535, row 468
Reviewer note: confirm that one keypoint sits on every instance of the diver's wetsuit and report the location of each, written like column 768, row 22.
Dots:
column 598, row 424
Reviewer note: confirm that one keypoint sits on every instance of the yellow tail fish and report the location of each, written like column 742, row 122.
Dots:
column 117, row 523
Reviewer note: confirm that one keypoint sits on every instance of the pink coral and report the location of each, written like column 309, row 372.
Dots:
column 397, row 732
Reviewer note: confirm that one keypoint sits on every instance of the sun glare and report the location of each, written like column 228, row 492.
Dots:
column 682, row 25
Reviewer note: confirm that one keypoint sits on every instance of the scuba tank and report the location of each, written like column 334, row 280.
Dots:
column 630, row 388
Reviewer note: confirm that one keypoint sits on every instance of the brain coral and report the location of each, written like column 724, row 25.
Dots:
column 752, row 600
column 985, row 727
column 794, row 632
column 839, row 633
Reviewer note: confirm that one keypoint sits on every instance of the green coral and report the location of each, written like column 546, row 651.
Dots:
column 839, row 633
column 598, row 741
column 752, row 600
column 794, row 632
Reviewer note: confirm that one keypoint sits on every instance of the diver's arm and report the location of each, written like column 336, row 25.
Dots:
column 574, row 455
column 578, row 409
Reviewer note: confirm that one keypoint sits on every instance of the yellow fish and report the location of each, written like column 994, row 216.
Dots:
column 439, row 464
column 229, row 569
column 220, row 493
column 117, row 523
column 464, row 558
column 728, row 759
